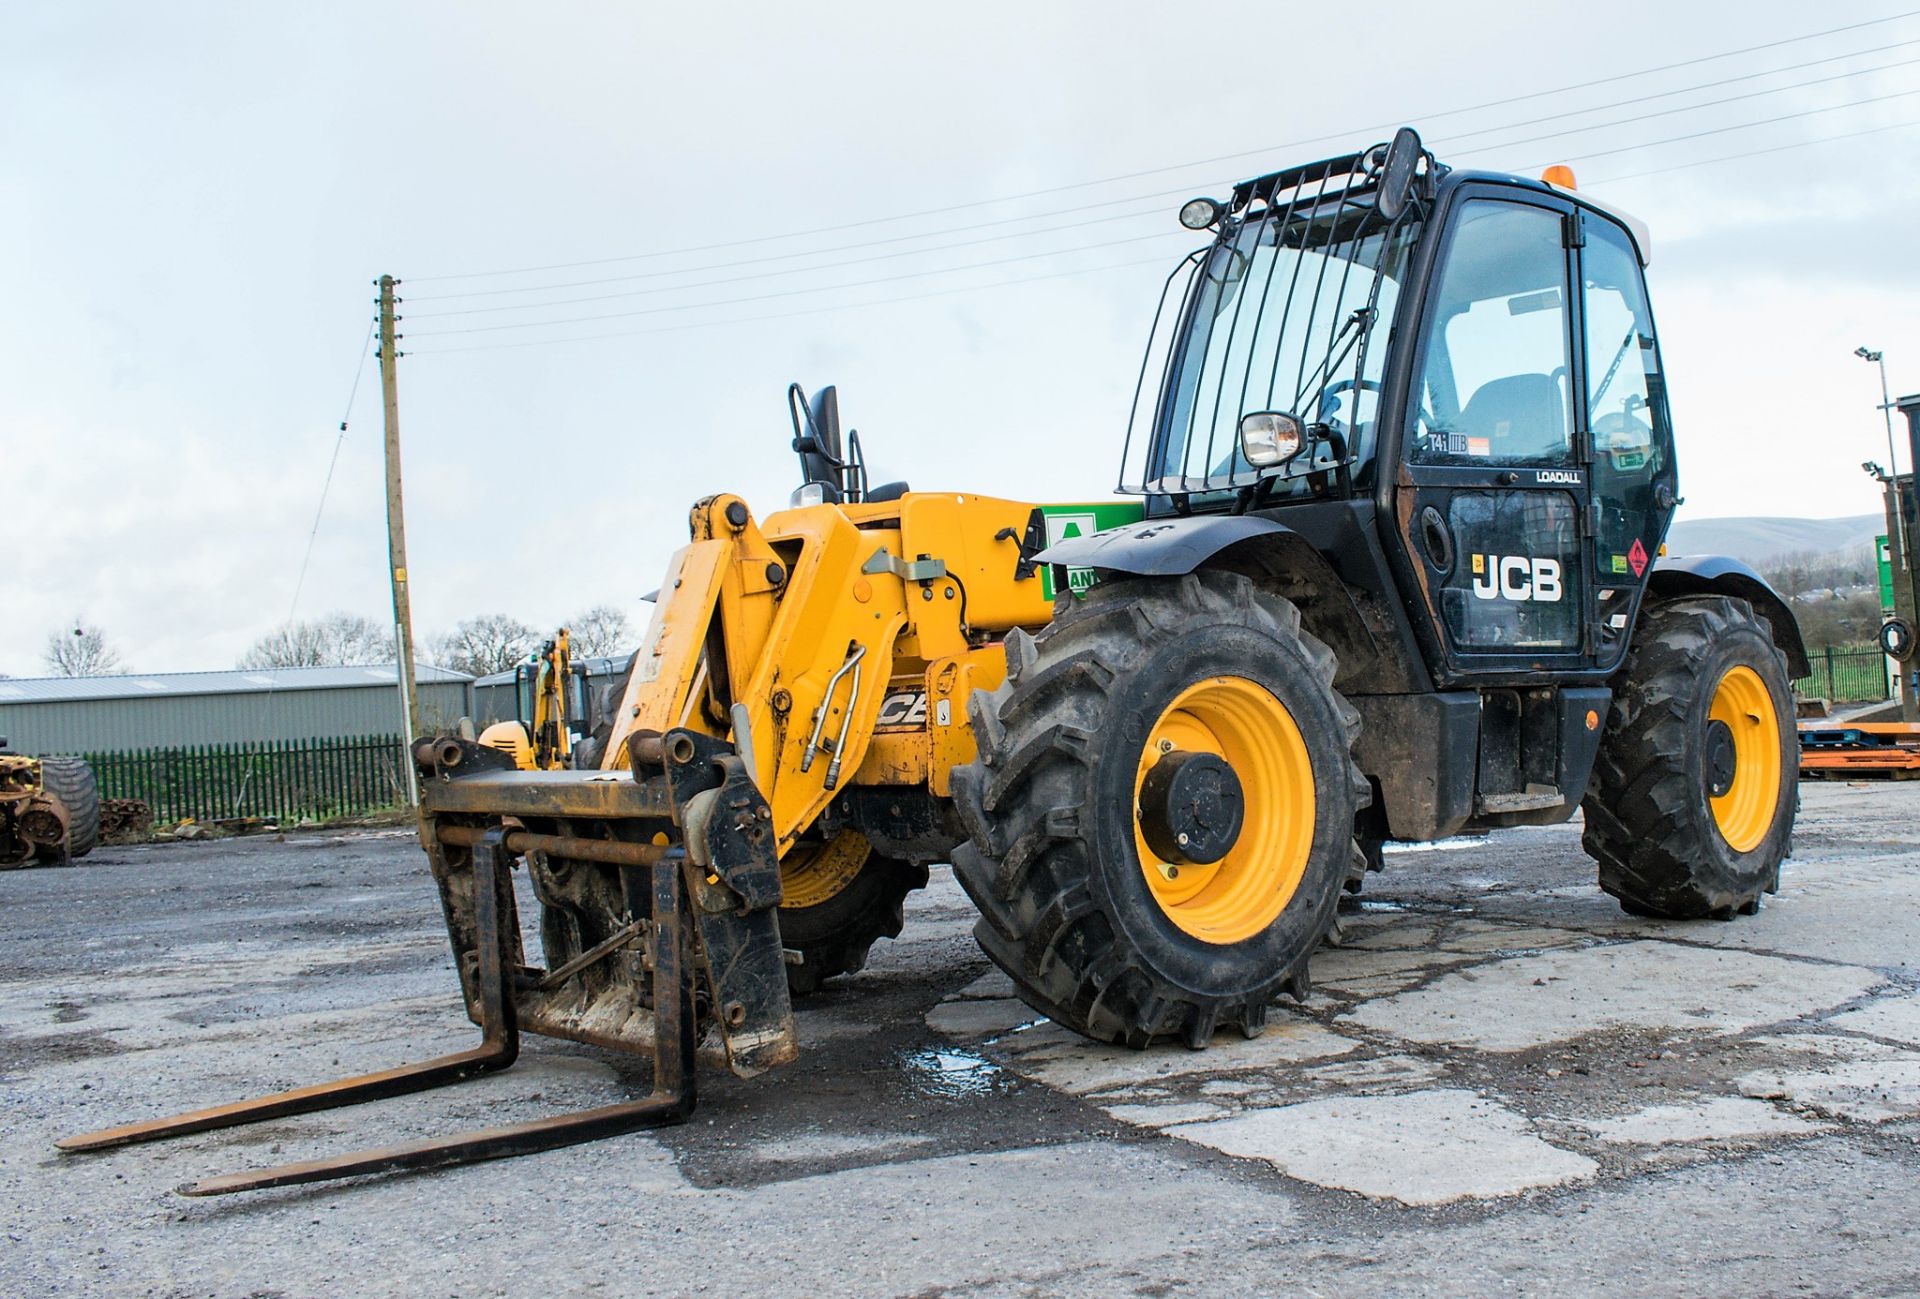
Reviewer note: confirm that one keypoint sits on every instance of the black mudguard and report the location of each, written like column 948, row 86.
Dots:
column 1676, row 575
column 1159, row 547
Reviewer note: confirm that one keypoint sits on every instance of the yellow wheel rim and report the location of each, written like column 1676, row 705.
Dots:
column 1745, row 812
column 1242, row 893
column 812, row 873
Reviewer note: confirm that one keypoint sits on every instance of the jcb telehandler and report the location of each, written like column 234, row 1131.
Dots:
column 1403, row 463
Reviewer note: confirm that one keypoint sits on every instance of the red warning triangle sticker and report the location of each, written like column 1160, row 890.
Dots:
column 1637, row 556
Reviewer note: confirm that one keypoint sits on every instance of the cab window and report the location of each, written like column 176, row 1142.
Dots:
column 1493, row 387
column 1626, row 403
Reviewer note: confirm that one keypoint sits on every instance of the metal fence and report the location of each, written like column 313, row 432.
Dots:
column 1845, row 674
column 281, row 780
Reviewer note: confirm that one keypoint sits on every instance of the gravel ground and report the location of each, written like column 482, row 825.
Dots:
column 1500, row 1085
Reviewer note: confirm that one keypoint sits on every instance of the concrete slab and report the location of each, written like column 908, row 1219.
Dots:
column 807, row 1147
column 1425, row 1148
column 1160, row 1116
column 1472, row 936
column 993, row 984
column 1556, row 996
column 1340, row 965
column 1716, row 1119
column 979, row 1019
column 1065, row 1060
column 1385, row 1071
column 1402, row 933
column 1895, row 1018
column 1871, row 1090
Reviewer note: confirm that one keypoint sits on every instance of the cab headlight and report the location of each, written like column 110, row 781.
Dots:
column 1270, row 437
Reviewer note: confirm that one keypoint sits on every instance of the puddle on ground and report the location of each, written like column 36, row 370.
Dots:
column 955, row 1074
column 1437, row 845
column 1018, row 1028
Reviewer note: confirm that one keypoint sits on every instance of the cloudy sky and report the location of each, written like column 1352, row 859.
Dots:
column 194, row 199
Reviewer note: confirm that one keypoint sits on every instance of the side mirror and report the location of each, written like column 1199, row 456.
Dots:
column 825, row 409
column 1270, row 437
column 816, row 433
column 1397, row 172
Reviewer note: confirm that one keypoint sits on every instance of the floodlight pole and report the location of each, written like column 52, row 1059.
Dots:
column 1893, row 459
column 390, row 355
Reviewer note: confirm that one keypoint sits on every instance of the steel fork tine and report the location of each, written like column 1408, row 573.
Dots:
column 499, row 1045
column 670, row 1102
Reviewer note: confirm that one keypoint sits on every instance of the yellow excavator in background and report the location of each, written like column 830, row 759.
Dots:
column 542, row 739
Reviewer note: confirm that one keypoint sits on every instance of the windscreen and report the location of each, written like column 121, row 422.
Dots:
column 1277, row 315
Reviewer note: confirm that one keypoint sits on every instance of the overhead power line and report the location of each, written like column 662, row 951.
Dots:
column 949, row 270
column 789, row 315
column 1668, row 112
column 810, row 252
column 1724, row 81
column 794, row 270
column 1757, row 153
column 785, row 293
column 300, row 582
column 686, row 326
column 866, row 246
column 1194, row 163
column 1723, row 130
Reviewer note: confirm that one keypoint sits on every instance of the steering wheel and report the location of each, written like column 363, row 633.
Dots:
column 1334, row 389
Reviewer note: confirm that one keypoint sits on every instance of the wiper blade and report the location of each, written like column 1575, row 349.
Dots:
column 1353, row 330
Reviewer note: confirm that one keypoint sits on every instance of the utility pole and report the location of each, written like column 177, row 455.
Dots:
column 397, row 531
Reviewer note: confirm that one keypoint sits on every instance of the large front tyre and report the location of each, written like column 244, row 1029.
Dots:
column 1138, row 716
column 1690, row 809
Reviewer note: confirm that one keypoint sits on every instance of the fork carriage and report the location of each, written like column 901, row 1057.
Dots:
column 657, row 884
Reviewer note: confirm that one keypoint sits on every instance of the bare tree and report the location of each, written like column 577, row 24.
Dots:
column 489, row 643
column 599, row 632
column 336, row 641
column 81, row 651
column 1794, row 575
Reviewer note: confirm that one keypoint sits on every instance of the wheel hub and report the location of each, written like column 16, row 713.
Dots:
column 1191, row 808
column 1745, row 767
column 1722, row 758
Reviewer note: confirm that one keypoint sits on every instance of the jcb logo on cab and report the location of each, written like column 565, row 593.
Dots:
column 1516, row 577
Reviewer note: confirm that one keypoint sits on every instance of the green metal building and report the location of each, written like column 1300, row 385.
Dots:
column 170, row 710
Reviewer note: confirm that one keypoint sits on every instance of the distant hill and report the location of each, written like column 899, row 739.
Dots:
column 1760, row 541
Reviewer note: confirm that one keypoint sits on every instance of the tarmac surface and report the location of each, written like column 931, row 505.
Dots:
column 1501, row 1085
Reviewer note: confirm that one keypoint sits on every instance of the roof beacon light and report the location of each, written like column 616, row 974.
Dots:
column 1559, row 175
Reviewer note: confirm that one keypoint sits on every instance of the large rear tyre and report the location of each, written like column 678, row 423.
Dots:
column 838, row 900
column 71, row 781
column 1690, row 810
column 1161, row 814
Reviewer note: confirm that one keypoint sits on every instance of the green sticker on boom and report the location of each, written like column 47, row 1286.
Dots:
column 1065, row 522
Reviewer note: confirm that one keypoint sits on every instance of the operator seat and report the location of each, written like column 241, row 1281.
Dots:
column 1521, row 416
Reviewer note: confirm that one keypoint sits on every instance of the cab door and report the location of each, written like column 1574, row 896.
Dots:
column 1492, row 490
column 1628, row 432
